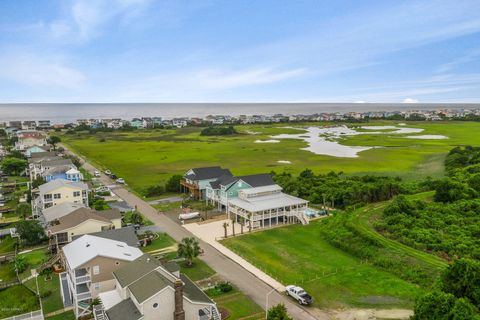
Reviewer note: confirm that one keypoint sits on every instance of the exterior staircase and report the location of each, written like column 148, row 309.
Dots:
column 49, row 263
column 211, row 313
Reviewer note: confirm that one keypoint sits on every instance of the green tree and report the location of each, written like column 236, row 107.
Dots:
column 189, row 249
column 30, row 231
column 464, row 310
column 436, row 305
column 134, row 217
column 173, row 183
column 278, row 312
column 54, row 140
column 462, row 279
column 19, row 264
column 13, row 166
column 37, row 182
column 24, row 210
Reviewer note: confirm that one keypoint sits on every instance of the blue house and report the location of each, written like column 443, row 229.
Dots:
column 64, row 173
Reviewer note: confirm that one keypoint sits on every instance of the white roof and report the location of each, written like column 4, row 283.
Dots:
column 270, row 201
column 270, row 188
column 58, row 183
column 72, row 171
column 88, row 247
column 60, row 210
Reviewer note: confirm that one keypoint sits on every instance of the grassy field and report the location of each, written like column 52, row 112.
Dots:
column 237, row 305
column 17, row 300
column 334, row 278
column 145, row 158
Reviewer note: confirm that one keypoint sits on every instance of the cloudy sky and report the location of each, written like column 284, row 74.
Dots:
column 239, row 51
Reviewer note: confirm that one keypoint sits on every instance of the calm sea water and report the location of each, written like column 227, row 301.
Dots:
column 62, row 113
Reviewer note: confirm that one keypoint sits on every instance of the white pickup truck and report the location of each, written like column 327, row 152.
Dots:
column 298, row 294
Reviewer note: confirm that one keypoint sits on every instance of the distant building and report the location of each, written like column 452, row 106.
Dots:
column 44, row 124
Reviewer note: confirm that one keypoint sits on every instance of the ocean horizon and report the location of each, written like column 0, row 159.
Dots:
column 68, row 112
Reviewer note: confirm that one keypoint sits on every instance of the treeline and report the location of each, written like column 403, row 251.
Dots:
column 450, row 225
column 218, row 131
column 455, row 296
column 172, row 185
column 342, row 191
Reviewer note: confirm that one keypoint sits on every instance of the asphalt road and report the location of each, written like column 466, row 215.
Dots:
column 229, row 270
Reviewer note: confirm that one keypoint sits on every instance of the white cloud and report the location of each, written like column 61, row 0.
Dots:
column 86, row 18
column 33, row 70
column 202, row 84
column 410, row 100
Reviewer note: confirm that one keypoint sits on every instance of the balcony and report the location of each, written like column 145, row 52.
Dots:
column 81, row 276
column 83, row 292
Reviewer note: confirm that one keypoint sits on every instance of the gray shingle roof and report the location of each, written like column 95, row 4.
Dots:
column 125, row 310
column 136, row 269
column 81, row 215
column 207, row 173
column 149, row 285
column 126, row 234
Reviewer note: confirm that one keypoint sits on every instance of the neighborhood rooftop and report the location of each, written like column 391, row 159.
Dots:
column 55, row 184
column 88, row 247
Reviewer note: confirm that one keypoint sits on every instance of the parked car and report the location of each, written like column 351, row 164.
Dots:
column 96, row 174
column 298, row 294
column 120, row 180
column 108, row 172
column 102, row 189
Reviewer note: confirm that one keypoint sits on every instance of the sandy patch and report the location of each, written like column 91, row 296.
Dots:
column 428, row 137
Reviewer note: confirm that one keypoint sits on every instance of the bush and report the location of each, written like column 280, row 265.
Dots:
column 218, row 131
column 224, row 287
column 45, row 294
column 153, row 191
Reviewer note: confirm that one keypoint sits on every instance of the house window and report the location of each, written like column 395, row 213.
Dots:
column 76, row 193
column 117, row 263
column 155, row 305
column 84, row 193
column 57, row 196
column 97, row 286
column 96, row 270
column 47, row 197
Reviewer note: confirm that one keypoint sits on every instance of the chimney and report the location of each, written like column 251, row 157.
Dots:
column 179, row 313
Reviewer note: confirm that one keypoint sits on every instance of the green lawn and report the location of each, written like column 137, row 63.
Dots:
column 163, row 241
column 7, row 244
column 6, row 272
column 237, row 305
column 145, row 158
column 17, row 300
column 49, row 288
column 69, row 315
column 34, row 259
column 299, row 255
column 199, row 271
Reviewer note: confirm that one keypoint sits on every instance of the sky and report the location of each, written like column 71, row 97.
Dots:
column 239, row 51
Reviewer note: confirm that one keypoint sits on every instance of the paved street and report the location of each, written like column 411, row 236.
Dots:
column 231, row 271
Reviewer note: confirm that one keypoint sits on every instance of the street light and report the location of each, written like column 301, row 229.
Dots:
column 266, row 302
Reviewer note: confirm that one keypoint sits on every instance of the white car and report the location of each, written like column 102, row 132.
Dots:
column 298, row 294
column 108, row 172
column 120, row 180
column 96, row 174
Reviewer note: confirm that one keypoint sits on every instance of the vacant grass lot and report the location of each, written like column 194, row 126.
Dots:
column 17, row 300
column 299, row 255
column 145, row 158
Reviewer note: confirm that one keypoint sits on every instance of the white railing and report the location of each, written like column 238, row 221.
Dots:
column 83, row 296
column 82, row 279
column 34, row 315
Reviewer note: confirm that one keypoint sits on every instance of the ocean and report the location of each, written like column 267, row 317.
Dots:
column 69, row 112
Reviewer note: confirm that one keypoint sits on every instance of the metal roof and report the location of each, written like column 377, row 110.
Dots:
column 58, row 183
column 88, row 247
column 267, row 202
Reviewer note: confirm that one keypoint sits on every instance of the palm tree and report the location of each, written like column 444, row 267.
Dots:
column 233, row 226
column 225, row 226
column 19, row 264
column 189, row 249
column 242, row 221
column 249, row 222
